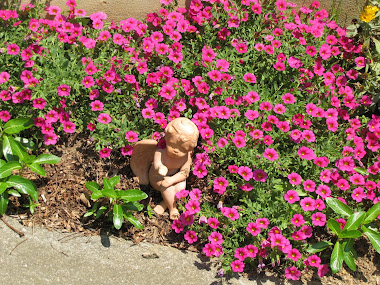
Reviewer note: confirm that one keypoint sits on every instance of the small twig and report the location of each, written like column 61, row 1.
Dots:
column 21, row 234
column 18, row 245
column 58, row 250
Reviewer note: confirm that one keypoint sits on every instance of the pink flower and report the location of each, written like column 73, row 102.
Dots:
column 104, row 118
column 323, row 269
column 297, row 220
column 131, row 136
column 237, row 266
column 177, row 226
column 314, row 260
column 245, row 172
column 270, row 154
column 358, row 194
column 306, row 153
column 291, row 196
column 209, row 249
column 294, row 178
column 213, row 223
column 262, row 223
column 5, row 116
column 96, row 105
column 88, row 81
column 259, row 175
column 63, row 90
column 293, row 254
column 215, row 238
column 126, row 150
column 308, row 204
column 230, row 213
column 105, row 152
column 360, row 61
column 319, row 219
column 200, row 170
column 292, row 273
column 253, row 228
column 68, row 127
column 13, row 49
column 251, row 250
column 241, row 253
column 241, row 48
column 182, row 194
column 193, row 206
column 4, row 77
column 190, row 237
column 195, row 194
column 249, row 77
column 50, row 139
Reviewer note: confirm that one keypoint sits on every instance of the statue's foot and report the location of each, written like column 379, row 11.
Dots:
column 160, row 208
column 174, row 214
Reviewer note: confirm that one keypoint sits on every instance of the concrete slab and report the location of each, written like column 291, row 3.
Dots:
column 44, row 257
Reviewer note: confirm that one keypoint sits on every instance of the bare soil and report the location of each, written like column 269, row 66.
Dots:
column 64, row 200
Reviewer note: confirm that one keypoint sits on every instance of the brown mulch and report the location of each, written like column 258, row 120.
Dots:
column 64, row 199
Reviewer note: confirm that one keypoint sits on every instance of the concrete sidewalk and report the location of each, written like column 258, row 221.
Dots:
column 44, row 257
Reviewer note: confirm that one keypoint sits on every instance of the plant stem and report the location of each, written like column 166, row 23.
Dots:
column 21, row 234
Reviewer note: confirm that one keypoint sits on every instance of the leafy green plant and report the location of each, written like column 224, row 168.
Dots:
column 358, row 223
column 15, row 157
column 121, row 202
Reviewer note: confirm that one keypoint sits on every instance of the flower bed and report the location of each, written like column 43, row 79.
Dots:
column 273, row 90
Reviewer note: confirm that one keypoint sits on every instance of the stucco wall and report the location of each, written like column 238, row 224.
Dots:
column 122, row 9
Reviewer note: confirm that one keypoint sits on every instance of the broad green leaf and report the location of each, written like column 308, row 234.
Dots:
column 317, row 247
column 7, row 150
column 348, row 245
column 15, row 126
column 24, row 186
column 131, row 195
column 96, row 194
column 351, row 234
column 37, row 169
column 133, row 220
column 3, row 203
column 132, row 206
column 362, row 171
column 106, row 183
column 3, row 187
column 377, row 44
column 14, row 193
column 349, row 260
column 92, row 186
column 117, row 216
column 374, row 237
column 47, row 158
column 28, row 144
column 2, row 162
column 18, row 149
column 336, row 260
column 100, row 212
column 354, row 221
column 334, row 226
column 114, row 180
column 6, row 169
column 372, row 213
column 339, row 207
column 109, row 193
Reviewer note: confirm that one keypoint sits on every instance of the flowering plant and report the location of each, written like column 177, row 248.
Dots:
column 272, row 89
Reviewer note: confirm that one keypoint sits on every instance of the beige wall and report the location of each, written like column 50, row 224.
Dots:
column 122, row 9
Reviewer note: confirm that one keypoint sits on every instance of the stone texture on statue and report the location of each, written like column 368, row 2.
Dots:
column 167, row 169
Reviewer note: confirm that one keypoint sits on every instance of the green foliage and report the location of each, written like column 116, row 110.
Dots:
column 117, row 204
column 15, row 158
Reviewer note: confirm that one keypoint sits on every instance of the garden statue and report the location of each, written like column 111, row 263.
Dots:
column 166, row 169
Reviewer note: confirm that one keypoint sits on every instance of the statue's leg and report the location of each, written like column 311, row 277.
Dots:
column 170, row 200
column 160, row 208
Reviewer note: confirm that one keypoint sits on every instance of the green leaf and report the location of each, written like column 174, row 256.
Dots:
column 2, row 162
column 14, row 193
column 377, row 44
column 351, row 234
column 15, row 126
column 336, row 260
column 349, row 260
column 18, row 149
column 28, row 144
column 100, row 212
column 339, row 207
column 24, row 186
column 96, row 194
column 334, row 226
column 372, row 213
column 362, row 171
column 3, row 203
column 131, row 195
column 6, row 169
column 317, row 247
column 113, row 181
column 92, row 186
column 354, row 221
column 132, row 206
column 47, row 158
column 7, row 150
column 3, row 187
column 109, row 193
column 117, row 216
column 37, row 169
column 106, row 183
column 133, row 220
column 373, row 236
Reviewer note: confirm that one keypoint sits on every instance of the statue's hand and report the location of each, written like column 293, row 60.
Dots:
column 166, row 182
column 163, row 170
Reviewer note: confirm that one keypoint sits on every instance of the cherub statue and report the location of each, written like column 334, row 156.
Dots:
column 167, row 169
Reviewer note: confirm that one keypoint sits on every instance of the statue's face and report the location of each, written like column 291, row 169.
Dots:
column 175, row 147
